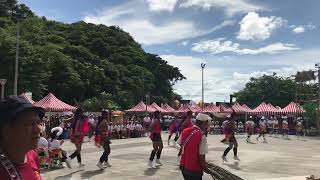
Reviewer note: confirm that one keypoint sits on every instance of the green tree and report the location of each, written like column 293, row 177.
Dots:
column 269, row 88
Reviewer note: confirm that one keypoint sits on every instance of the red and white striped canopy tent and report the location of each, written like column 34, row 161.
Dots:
column 195, row 108
column 277, row 110
column 248, row 110
column 238, row 109
column 293, row 108
column 224, row 109
column 186, row 108
column 211, row 109
column 158, row 108
column 53, row 104
column 23, row 95
column 141, row 107
column 168, row 108
column 264, row 109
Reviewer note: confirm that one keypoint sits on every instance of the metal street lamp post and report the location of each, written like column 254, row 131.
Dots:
column 15, row 87
column 318, row 116
column 2, row 82
column 202, row 67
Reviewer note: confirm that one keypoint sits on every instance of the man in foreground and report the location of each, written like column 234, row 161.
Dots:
column 20, row 126
column 193, row 149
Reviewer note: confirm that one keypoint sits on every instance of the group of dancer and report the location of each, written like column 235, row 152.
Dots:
column 273, row 127
column 189, row 134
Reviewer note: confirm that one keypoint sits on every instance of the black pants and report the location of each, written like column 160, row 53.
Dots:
column 105, row 156
column 191, row 177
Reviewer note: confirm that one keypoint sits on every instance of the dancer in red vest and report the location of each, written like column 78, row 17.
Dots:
column 78, row 128
column 230, row 131
column 194, row 148
column 188, row 122
column 155, row 136
column 263, row 129
column 104, row 142
column 173, row 129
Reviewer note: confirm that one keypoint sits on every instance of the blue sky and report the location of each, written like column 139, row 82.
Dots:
column 236, row 39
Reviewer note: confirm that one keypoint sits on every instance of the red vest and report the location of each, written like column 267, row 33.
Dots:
column 190, row 158
column 156, row 126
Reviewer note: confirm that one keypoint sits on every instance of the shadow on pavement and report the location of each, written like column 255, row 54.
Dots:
column 67, row 176
column 89, row 174
column 234, row 166
column 151, row 171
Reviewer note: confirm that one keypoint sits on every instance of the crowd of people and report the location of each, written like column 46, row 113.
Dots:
column 28, row 139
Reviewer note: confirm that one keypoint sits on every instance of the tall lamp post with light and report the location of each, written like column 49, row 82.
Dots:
column 203, row 65
column 317, row 65
column 2, row 82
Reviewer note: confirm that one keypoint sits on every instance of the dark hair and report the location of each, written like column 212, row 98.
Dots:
column 156, row 114
column 78, row 114
column 53, row 135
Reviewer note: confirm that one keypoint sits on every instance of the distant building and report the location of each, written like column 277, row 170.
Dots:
column 187, row 102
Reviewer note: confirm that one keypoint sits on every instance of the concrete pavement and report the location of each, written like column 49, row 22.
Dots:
column 278, row 159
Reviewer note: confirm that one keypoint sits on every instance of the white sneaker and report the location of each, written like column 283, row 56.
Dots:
column 81, row 164
column 107, row 164
column 150, row 164
column 224, row 159
column 100, row 166
column 236, row 158
column 158, row 162
column 68, row 162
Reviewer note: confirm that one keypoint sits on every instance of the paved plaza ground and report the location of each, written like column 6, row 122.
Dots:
column 278, row 159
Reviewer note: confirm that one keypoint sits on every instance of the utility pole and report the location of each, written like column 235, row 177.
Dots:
column 2, row 82
column 318, row 122
column 202, row 67
column 15, row 87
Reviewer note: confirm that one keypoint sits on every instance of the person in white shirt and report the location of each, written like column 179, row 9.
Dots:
column 249, row 128
column 55, row 146
column 110, row 127
column 285, row 127
column 123, row 130
column 275, row 126
column 263, row 129
column 42, row 143
column 91, row 126
column 146, row 124
column 299, row 127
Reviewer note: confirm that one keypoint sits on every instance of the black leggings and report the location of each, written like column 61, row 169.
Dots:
column 76, row 154
column 232, row 144
column 105, row 156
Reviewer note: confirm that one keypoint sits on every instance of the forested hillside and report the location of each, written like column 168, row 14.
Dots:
column 79, row 61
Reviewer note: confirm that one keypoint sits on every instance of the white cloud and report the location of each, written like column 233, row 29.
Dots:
column 135, row 20
column 230, row 75
column 254, row 27
column 221, row 45
column 183, row 43
column 302, row 28
column 231, row 7
column 191, row 69
column 311, row 26
column 298, row 30
column 162, row 5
